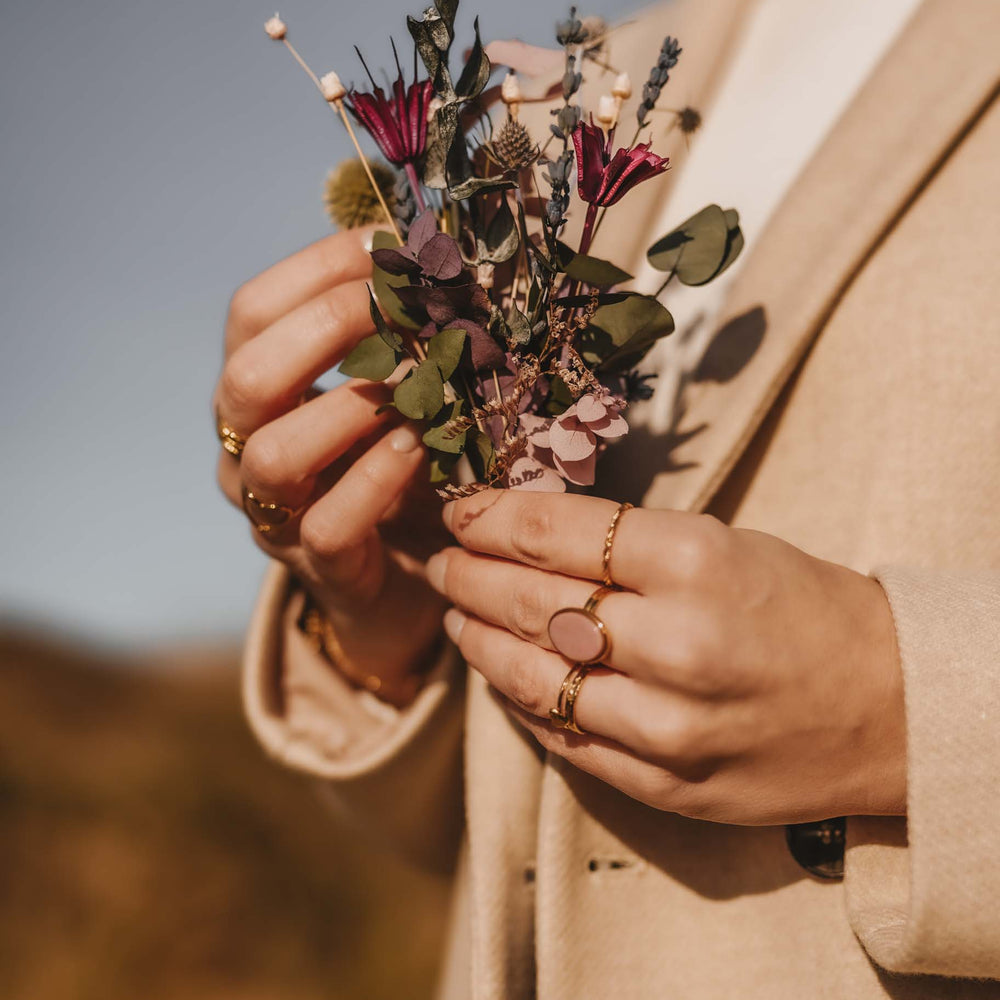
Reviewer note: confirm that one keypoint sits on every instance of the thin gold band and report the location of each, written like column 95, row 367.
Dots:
column 563, row 715
column 609, row 541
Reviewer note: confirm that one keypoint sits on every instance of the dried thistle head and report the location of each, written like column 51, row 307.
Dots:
column 349, row 197
column 512, row 147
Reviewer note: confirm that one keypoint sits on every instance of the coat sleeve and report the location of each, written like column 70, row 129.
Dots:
column 396, row 774
column 924, row 896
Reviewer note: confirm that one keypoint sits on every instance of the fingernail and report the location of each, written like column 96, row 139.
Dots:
column 454, row 622
column 436, row 566
column 405, row 439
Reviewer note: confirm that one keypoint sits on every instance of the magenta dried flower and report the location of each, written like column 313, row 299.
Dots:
column 604, row 178
column 397, row 123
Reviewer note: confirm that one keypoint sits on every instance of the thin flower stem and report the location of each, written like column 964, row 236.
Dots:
column 338, row 107
column 588, row 228
column 663, row 287
column 411, row 176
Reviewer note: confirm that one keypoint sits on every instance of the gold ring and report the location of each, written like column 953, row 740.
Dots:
column 609, row 541
column 233, row 442
column 563, row 716
column 266, row 517
column 579, row 634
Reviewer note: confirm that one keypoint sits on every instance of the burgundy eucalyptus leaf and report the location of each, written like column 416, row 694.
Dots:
column 440, row 258
column 422, row 230
column 397, row 261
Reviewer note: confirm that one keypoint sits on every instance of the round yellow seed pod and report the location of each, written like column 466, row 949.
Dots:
column 349, row 198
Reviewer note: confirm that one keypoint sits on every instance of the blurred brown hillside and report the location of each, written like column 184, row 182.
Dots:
column 150, row 850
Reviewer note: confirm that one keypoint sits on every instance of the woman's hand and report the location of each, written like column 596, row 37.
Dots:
column 366, row 517
column 750, row 683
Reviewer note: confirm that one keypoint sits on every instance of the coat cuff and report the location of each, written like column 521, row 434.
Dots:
column 388, row 770
column 922, row 892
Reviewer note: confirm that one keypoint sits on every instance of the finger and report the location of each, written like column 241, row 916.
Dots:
column 283, row 459
column 522, row 600
column 348, row 513
column 294, row 281
column 651, row 784
column 561, row 532
column 650, row 722
column 268, row 375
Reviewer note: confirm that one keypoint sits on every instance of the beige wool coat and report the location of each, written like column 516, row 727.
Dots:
column 865, row 429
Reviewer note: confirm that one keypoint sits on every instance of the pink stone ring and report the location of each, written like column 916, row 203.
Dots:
column 579, row 634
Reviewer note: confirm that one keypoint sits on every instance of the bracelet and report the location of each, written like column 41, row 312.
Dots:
column 323, row 638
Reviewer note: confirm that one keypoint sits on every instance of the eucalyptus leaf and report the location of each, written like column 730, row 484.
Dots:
column 480, row 452
column 520, row 328
column 440, row 136
column 372, row 359
column 695, row 250
column 734, row 242
column 445, row 348
column 591, row 270
column 422, row 38
column 420, row 395
column 442, row 463
column 469, row 186
column 440, row 258
column 385, row 285
column 392, row 339
column 502, row 238
column 477, row 71
column 440, row 438
column 632, row 326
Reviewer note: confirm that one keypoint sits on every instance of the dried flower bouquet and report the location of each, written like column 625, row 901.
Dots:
column 523, row 351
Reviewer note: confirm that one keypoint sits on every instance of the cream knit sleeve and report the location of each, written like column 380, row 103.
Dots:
column 394, row 773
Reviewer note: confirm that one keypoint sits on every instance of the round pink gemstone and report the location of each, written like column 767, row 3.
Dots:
column 577, row 635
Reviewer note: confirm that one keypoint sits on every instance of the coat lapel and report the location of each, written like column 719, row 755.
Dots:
column 922, row 98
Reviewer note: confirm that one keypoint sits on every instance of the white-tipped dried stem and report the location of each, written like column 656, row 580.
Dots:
column 276, row 28
column 331, row 87
column 623, row 87
column 510, row 93
column 608, row 108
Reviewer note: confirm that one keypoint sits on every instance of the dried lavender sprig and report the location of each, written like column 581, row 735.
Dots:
column 658, row 76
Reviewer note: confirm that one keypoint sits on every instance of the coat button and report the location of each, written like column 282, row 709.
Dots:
column 819, row 847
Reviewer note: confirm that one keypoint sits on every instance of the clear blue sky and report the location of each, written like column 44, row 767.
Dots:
column 153, row 155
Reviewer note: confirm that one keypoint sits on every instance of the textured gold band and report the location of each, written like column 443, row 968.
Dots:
column 609, row 541
column 563, row 715
column 266, row 517
column 233, row 443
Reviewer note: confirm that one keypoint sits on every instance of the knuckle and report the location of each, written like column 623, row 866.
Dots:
column 264, row 460
column 701, row 552
column 672, row 736
column 242, row 383
column 522, row 684
column 532, row 534
column 528, row 612
column 244, row 311
column 317, row 537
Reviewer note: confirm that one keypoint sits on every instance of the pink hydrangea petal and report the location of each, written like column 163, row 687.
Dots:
column 581, row 473
column 537, row 429
column 614, row 425
column 589, row 408
column 570, row 439
column 528, row 474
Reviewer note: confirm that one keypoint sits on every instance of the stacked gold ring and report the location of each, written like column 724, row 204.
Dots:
column 232, row 441
column 563, row 716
